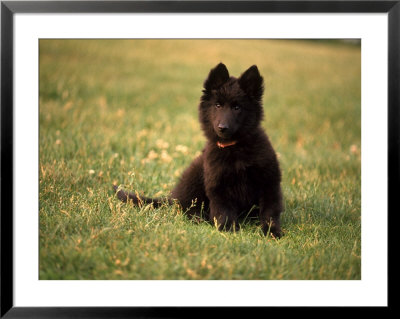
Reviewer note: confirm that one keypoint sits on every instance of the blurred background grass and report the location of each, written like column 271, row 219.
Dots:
column 126, row 111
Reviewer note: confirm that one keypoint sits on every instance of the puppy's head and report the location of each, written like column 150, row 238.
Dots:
column 231, row 107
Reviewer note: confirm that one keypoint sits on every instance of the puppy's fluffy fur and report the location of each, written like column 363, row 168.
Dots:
column 238, row 167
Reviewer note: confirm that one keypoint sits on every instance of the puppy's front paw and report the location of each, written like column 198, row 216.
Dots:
column 273, row 230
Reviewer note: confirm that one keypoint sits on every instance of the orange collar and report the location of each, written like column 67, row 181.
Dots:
column 221, row 145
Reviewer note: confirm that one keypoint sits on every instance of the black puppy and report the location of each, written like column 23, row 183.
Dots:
column 238, row 167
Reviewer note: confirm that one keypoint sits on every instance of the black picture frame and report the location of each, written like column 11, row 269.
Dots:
column 9, row 8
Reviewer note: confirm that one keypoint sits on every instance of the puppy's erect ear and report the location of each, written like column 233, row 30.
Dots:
column 218, row 76
column 252, row 82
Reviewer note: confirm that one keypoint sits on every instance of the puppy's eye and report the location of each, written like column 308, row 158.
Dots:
column 236, row 107
column 217, row 105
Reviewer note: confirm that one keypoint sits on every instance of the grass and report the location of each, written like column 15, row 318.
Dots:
column 125, row 111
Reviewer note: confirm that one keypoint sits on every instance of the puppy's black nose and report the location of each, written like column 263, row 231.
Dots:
column 222, row 127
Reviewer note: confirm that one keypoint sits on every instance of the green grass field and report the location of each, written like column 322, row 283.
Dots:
column 125, row 111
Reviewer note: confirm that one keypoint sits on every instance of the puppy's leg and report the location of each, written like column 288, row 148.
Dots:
column 270, row 211
column 224, row 216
